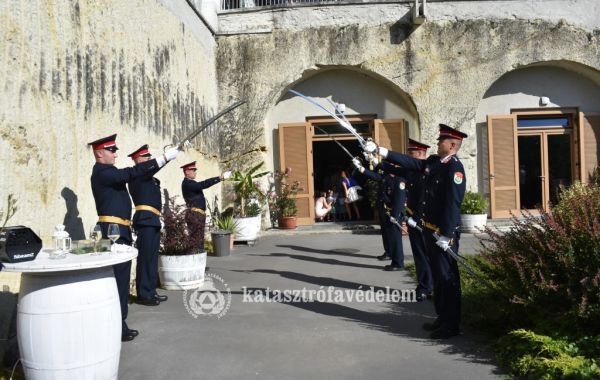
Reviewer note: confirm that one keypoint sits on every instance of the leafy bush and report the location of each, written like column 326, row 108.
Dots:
column 226, row 223
column 474, row 203
column 282, row 198
column 541, row 357
column 247, row 189
column 253, row 209
column 181, row 233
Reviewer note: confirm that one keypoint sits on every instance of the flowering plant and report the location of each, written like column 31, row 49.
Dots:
column 283, row 192
column 473, row 203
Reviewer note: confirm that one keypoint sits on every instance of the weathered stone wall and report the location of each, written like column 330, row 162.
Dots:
column 75, row 71
column 445, row 65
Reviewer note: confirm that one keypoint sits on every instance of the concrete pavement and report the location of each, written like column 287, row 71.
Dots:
column 335, row 339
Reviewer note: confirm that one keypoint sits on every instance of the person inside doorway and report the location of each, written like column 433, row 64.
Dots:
column 322, row 207
column 350, row 190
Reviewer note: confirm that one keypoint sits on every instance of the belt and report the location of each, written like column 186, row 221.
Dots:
column 147, row 208
column 409, row 211
column 198, row 210
column 430, row 226
column 114, row 219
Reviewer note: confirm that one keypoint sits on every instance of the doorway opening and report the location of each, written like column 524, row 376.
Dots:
column 545, row 164
column 329, row 160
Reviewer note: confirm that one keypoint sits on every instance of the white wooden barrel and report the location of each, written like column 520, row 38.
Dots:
column 69, row 325
column 181, row 272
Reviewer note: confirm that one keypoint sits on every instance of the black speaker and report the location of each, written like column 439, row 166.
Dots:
column 19, row 243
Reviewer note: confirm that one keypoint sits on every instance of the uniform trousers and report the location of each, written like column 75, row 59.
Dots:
column 423, row 269
column 446, row 281
column 148, row 244
column 122, row 271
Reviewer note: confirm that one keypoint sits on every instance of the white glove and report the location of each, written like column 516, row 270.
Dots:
column 358, row 165
column 227, row 174
column 370, row 147
column 443, row 242
column 162, row 224
column 374, row 160
column 411, row 222
column 171, row 153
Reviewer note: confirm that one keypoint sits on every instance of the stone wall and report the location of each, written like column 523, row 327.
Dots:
column 445, row 65
column 75, row 71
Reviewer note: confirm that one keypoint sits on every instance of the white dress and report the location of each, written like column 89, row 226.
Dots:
column 320, row 207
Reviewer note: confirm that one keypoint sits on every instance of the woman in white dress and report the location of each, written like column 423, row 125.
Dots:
column 322, row 207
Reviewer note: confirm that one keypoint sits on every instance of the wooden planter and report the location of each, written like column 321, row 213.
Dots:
column 288, row 222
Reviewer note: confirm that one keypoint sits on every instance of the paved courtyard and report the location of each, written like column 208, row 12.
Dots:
column 301, row 340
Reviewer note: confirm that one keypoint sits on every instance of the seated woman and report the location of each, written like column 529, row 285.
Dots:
column 322, row 207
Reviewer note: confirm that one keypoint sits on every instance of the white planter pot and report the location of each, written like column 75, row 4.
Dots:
column 248, row 229
column 181, row 272
column 473, row 223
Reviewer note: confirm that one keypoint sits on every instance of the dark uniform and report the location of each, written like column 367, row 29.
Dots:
column 145, row 193
column 391, row 199
column 193, row 195
column 114, row 206
column 444, row 189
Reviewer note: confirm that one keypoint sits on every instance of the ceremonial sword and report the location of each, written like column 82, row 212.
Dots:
column 344, row 123
column 186, row 140
column 452, row 254
column 334, row 140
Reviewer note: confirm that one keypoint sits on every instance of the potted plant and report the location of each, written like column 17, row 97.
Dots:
column 473, row 212
column 181, row 264
column 225, row 227
column 248, row 200
column 282, row 199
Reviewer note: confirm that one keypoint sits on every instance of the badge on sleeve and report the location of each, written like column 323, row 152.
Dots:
column 458, row 178
column 402, row 185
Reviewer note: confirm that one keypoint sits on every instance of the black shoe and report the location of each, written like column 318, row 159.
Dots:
column 134, row 332
column 127, row 336
column 150, row 302
column 384, row 257
column 431, row 326
column 422, row 296
column 392, row 268
column 444, row 333
column 160, row 297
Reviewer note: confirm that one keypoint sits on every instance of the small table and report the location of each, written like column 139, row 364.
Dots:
column 69, row 316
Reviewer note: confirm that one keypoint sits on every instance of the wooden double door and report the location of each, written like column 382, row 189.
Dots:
column 534, row 155
column 296, row 151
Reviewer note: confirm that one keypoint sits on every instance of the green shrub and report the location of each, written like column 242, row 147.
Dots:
column 474, row 203
column 253, row 209
column 541, row 357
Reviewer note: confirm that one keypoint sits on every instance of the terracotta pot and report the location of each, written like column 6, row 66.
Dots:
column 288, row 222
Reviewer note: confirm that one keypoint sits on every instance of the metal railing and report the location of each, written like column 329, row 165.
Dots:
column 254, row 4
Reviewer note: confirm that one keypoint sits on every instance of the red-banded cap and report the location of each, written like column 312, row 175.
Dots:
column 140, row 152
column 190, row 166
column 416, row 145
column 109, row 143
column 447, row 132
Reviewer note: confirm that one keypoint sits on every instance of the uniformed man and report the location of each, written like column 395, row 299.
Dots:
column 114, row 206
column 444, row 189
column 414, row 208
column 392, row 205
column 145, row 193
column 193, row 194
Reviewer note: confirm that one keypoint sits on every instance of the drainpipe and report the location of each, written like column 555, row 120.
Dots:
column 212, row 31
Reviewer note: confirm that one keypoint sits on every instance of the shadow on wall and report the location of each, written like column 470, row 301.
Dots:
column 73, row 223
column 402, row 29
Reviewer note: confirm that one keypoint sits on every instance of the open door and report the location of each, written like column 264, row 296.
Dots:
column 295, row 152
column 391, row 134
column 588, row 134
column 503, row 161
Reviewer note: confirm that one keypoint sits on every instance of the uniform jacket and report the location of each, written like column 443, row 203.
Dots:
column 444, row 188
column 391, row 192
column 414, row 188
column 145, row 190
column 192, row 191
column 109, row 190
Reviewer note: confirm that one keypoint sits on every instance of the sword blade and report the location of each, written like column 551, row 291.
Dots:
column 344, row 123
column 334, row 140
column 202, row 127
